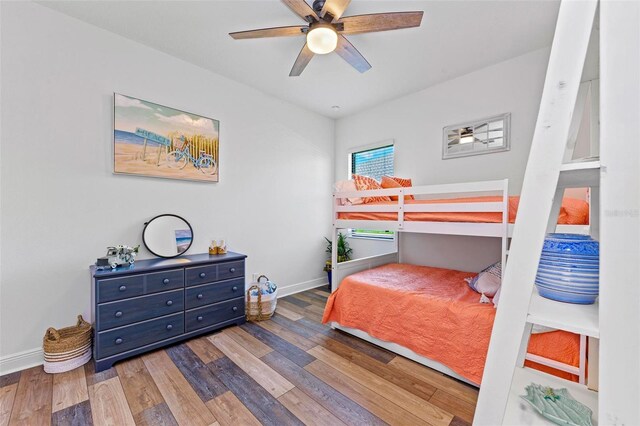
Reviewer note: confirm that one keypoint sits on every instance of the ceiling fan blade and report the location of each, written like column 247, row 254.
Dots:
column 350, row 54
column 269, row 32
column 302, row 9
column 335, row 7
column 301, row 62
column 381, row 22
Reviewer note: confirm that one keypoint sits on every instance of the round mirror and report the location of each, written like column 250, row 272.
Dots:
column 167, row 235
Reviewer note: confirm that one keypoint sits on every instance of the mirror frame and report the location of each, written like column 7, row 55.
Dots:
column 506, row 119
column 144, row 241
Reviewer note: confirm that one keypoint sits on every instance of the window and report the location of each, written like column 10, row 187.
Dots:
column 374, row 163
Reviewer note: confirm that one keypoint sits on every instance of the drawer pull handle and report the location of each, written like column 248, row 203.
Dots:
column 200, row 296
column 123, row 287
column 232, row 270
column 234, row 288
column 202, row 275
column 235, row 308
column 118, row 341
column 200, row 318
column 118, row 314
column 169, row 302
column 169, row 327
column 165, row 281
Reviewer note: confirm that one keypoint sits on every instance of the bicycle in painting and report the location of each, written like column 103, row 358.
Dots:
column 179, row 158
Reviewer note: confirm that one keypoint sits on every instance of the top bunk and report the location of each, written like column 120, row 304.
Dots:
column 481, row 208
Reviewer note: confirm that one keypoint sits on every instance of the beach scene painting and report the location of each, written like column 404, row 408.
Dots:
column 183, row 240
column 158, row 141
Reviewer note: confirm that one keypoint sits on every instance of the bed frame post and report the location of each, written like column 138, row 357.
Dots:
column 582, row 377
column 401, row 209
column 400, row 223
column 505, row 224
column 334, row 247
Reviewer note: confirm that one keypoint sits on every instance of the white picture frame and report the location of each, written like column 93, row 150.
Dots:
column 477, row 137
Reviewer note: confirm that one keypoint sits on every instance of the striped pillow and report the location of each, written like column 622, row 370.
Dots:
column 488, row 281
column 402, row 181
column 365, row 183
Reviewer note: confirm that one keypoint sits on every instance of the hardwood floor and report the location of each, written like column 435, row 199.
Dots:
column 286, row 371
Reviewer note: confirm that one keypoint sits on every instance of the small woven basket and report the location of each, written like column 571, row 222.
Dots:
column 67, row 348
column 262, row 306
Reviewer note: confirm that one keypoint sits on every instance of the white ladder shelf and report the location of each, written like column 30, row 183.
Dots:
column 613, row 323
column 545, row 179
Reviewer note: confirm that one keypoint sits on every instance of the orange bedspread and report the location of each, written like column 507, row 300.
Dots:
column 434, row 313
column 572, row 212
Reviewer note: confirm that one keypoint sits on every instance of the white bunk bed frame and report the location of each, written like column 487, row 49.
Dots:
column 500, row 230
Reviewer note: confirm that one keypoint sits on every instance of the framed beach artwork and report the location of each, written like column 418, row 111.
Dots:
column 158, row 141
column 183, row 240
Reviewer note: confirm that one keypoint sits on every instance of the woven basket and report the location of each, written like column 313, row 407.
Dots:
column 262, row 306
column 67, row 348
column 71, row 364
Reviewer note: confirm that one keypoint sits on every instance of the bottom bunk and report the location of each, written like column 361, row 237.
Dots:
column 431, row 315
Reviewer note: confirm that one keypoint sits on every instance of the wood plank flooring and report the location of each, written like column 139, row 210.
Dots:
column 290, row 370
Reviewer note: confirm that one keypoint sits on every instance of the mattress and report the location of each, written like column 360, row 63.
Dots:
column 572, row 212
column 433, row 312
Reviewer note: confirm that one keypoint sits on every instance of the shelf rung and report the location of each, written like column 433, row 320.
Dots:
column 580, row 174
column 579, row 319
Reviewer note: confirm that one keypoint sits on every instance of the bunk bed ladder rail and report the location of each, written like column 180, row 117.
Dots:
column 538, row 209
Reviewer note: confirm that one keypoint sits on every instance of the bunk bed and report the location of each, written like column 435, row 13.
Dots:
column 400, row 307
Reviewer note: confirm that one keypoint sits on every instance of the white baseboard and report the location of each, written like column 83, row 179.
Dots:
column 21, row 361
column 300, row 287
column 31, row 358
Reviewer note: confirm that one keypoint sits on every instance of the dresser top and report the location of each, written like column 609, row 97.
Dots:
column 148, row 265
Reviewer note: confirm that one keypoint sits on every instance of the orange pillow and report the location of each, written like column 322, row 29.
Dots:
column 405, row 183
column 364, row 183
column 402, row 181
column 387, row 182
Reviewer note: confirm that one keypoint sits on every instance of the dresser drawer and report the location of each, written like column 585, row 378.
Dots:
column 214, row 292
column 213, row 314
column 123, row 312
column 136, row 285
column 231, row 270
column 201, row 274
column 120, row 288
column 133, row 336
column 165, row 280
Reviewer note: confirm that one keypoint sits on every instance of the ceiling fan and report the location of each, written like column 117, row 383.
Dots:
column 326, row 29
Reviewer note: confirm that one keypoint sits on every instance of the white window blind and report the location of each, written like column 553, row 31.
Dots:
column 374, row 163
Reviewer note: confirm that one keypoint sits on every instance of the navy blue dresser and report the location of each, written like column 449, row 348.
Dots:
column 157, row 302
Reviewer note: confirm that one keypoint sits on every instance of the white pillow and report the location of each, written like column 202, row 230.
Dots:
column 347, row 186
column 488, row 281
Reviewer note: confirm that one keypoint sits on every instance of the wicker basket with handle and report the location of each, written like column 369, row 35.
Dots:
column 262, row 306
column 67, row 348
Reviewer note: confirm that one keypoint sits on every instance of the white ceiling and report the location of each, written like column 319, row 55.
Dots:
column 456, row 37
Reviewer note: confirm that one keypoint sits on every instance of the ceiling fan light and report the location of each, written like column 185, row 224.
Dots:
column 322, row 39
column 467, row 139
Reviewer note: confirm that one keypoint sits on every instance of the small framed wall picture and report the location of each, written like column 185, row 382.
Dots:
column 477, row 137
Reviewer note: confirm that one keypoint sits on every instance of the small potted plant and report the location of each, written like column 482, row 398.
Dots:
column 344, row 253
